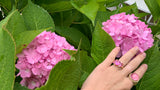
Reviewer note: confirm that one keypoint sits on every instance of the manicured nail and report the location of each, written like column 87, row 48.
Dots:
column 136, row 48
column 145, row 65
column 144, row 54
column 118, row 48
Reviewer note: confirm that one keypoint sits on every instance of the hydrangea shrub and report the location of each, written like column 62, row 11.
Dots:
column 41, row 55
column 127, row 31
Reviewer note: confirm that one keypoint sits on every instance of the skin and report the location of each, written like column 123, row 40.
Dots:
column 110, row 77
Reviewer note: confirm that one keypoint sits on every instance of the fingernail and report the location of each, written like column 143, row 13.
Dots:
column 144, row 54
column 118, row 48
column 146, row 65
column 136, row 48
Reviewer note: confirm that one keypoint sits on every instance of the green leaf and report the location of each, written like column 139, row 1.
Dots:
column 154, row 8
column 155, row 29
column 6, row 4
column 65, row 18
column 18, row 86
column 86, row 29
column 7, row 58
column 55, row 5
column 64, row 76
column 111, row 3
column 103, row 16
column 127, row 8
column 36, row 18
column 20, row 4
column 88, row 8
column 158, row 2
column 151, row 79
column 15, row 23
column 73, row 36
column 102, row 44
column 70, row 52
column 83, row 78
column 87, row 63
column 140, row 15
column 9, row 27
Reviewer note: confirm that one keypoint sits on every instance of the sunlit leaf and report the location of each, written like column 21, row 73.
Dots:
column 64, row 76
column 55, row 5
column 88, row 8
column 154, row 8
column 151, row 79
column 36, row 18
column 73, row 36
column 7, row 57
column 102, row 44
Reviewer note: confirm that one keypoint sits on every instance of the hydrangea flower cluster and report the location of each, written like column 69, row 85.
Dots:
column 41, row 55
column 127, row 32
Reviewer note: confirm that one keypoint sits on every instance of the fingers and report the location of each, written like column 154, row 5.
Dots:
column 129, row 55
column 111, row 57
column 138, row 74
column 133, row 64
column 141, row 70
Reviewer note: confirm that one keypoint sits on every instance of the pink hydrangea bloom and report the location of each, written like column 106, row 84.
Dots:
column 41, row 55
column 127, row 32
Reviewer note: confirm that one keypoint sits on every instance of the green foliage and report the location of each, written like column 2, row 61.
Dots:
column 15, row 24
column 102, row 44
column 158, row 2
column 89, row 8
column 7, row 56
column 55, row 5
column 24, row 38
column 64, row 76
column 13, row 35
column 74, row 36
column 151, row 78
column 87, row 64
column 6, row 4
column 83, row 78
column 127, row 8
column 111, row 3
column 132, row 9
column 103, row 16
column 154, row 8
column 64, row 18
column 20, row 4
column 155, row 29
column 36, row 18
column 86, row 29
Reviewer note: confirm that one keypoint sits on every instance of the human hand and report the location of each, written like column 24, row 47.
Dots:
column 111, row 77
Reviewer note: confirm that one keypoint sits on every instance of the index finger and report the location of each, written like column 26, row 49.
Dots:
column 111, row 57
